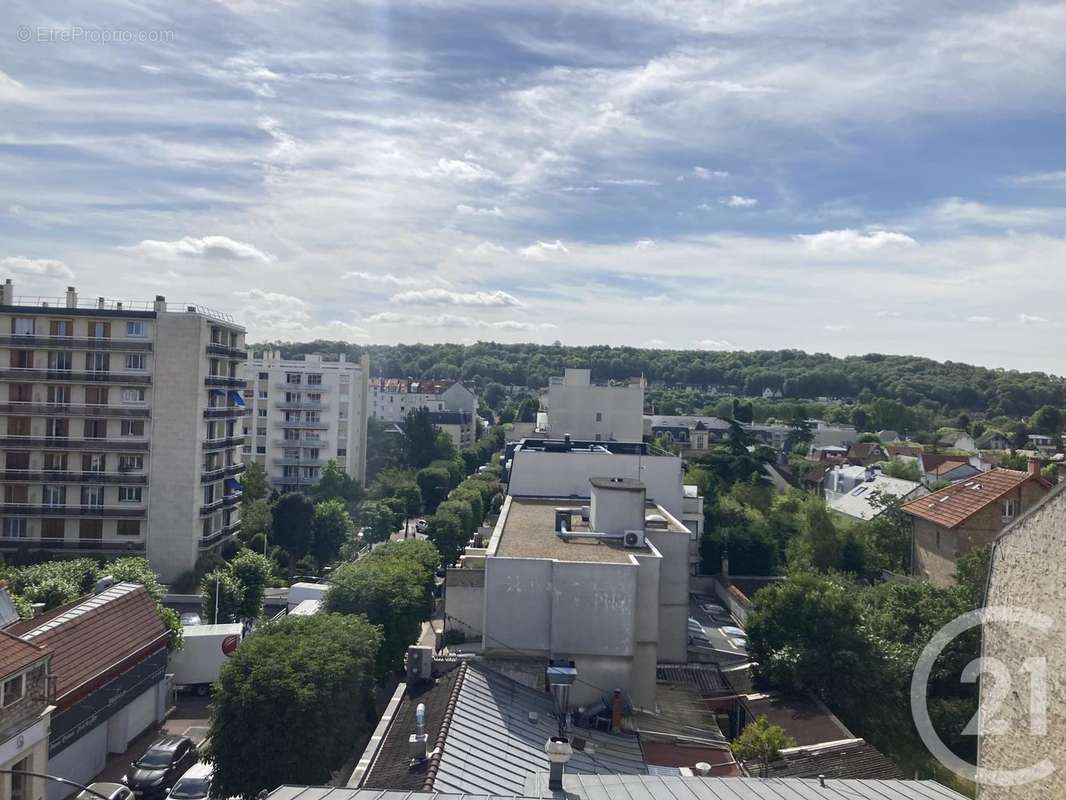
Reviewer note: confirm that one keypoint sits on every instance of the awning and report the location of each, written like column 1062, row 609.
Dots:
column 233, row 485
column 236, row 398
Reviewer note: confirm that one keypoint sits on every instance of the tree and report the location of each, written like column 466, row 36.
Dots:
column 819, row 543
column 445, row 530
column 377, row 520
column 252, row 571
column 336, row 484
column 332, row 526
column 256, row 518
column 494, row 394
column 254, row 485
column 760, row 742
column 420, row 439
column 905, row 470
column 292, row 528
column 292, row 702
column 222, row 589
column 385, row 448
column 434, row 483
column 1047, row 420
column 527, row 410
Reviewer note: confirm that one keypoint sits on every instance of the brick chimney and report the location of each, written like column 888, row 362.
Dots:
column 1034, row 467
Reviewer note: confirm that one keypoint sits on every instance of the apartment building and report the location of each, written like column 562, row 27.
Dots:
column 304, row 412
column 452, row 406
column 600, row 412
column 120, row 428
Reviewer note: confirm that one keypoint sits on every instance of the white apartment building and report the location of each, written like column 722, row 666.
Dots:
column 453, row 407
column 597, row 412
column 121, row 428
column 304, row 412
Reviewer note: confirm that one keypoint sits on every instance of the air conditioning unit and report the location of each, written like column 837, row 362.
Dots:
column 633, row 539
column 419, row 664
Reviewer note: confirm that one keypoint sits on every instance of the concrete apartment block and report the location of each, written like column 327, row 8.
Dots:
column 304, row 412
column 120, row 428
column 584, row 410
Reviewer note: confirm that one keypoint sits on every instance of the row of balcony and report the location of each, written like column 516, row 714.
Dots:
column 36, row 509
column 72, row 545
column 301, row 405
column 219, row 349
column 125, row 444
column 228, row 471
column 33, row 342
column 226, row 501
column 222, row 534
column 224, row 380
column 225, row 412
column 73, row 410
column 298, row 462
column 222, row 444
column 304, row 425
column 24, row 374
column 63, row 476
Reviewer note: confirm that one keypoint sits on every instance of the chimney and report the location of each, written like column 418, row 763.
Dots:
column 1034, row 467
column 725, row 563
column 702, row 769
column 101, row 302
column 160, row 304
column 7, row 293
column 558, row 750
column 72, row 297
column 616, row 505
column 561, row 676
column 616, row 711
column 418, row 743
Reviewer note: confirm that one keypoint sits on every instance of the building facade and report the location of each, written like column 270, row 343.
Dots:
column 600, row 412
column 121, row 428
column 304, row 412
column 452, row 406
column 25, row 714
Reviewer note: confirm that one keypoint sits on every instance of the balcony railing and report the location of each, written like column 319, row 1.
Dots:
column 284, row 461
column 301, row 480
column 222, row 534
column 35, row 342
column 219, row 349
column 224, row 380
column 225, row 412
column 71, row 545
column 301, row 405
column 73, row 410
column 125, row 444
column 299, row 443
column 38, row 509
column 221, row 444
column 63, row 476
column 25, row 374
column 207, row 476
column 304, row 425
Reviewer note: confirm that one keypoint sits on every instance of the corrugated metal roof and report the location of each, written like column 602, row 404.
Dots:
column 654, row 787
column 492, row 743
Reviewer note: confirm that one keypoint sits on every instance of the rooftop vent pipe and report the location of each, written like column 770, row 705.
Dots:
column 558, row 750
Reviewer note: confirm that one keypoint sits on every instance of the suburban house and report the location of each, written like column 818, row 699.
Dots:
column 956, row 440
column 887, row 436
column 859, row 492
column 968, row 515
column 694, row 434
column 866, row 453
column 936, row 467
column 993, row 440
column 25, row 714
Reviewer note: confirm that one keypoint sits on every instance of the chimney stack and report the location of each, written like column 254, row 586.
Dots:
column 702, row 769
column 72, row 297
column 616, row 711
column 1034, row 467
column 419, row 742
column 7, row 293
column 559, row 752
column 160, row 304
column 725, row 563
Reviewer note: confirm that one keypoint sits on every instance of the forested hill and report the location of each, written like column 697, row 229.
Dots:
column 908, row 379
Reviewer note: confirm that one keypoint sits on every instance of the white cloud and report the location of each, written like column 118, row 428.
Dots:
column 1037, row 320
column 889, row 314
column 958, row 211
column 716, row 344
column 474, row 211
column 1056, row 179
column 655, row 344
column 629, row 182
column 836, row 328
column 386, row 279
column 580, row 189
column 541, row 250
column 644, row 244
column 977, row 318
column 275, row 315
column 849, row 240
column 705, row 174
column 489, row 249
column 201, row 247
column 447, row 297
column 460, row 170
column 456, row 321
column 738, row 201
column 36, row 268
column 656, row 298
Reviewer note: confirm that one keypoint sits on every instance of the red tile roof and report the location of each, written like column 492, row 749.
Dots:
column 953, row 505
column 902, row 450
column 99, row 635
column 931, row 461
column 16, row 655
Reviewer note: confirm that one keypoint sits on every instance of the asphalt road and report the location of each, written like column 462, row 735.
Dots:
column 721, row 645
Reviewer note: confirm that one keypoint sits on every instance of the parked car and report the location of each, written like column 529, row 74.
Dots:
column 155, row 772
column 695, row 625
column 734, row 632
column 698, row 639
column 115, row 791
column 420, row 526
column 194, row 784
column 712, row 608
column 191, row 618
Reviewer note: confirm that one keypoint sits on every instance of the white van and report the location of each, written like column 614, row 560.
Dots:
column 195, row 784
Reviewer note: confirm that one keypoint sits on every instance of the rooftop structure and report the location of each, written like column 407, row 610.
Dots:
column 599, row 412
column 860, row 492
column 953, row 505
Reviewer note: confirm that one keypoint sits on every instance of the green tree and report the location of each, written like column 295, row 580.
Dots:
column 292, row 525
column 252, row 571
column 494, row 394
column 905, row 470
column 336, row 484
column 434, row 483
column 332, row 526
column 254, row 485
column 292, row 703
column 420, row 439
column 819, row 543
column 256, row 519
column 1047, row 420
column 378, row 521
column 760, row 742
column 222, row 589
column 445, row 530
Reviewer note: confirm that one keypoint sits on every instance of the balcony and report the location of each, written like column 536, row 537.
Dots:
column 71, row 410
column 233, row 382
column 29, row 374
column 219, row 349
column 222, row 534
column 230, row 500
column 125, row 444
column 73, row 545
column 301, row 405
column 207, row 476
column 57, row 476
column 282, row 461
column 225, row 412
column 35, row 509
column 222, row 444
column 226, row 501
column 293, row 480
column 70, row 343
column 304, row 425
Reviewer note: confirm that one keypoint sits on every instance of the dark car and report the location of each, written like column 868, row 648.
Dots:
column 155, row 772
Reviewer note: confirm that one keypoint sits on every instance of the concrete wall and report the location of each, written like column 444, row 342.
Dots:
column 1028, row 571
column 536, row 473
column 673, row 593
column 464, row 601
column 80, row 762
column 518, row 607
column 28, row 743
column 574, row 404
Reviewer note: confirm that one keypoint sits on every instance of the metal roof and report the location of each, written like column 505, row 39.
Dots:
column 654, row 787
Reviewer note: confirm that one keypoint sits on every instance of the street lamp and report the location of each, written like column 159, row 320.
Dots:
column 56, row 779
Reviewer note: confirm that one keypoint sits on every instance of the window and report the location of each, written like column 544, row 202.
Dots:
column 60, row 327
column 262, row 412
column 264, row 376
column 20, row 392
column 92, row 496
column 128, row 527
column 261, row 431
column 132, row 394
column 129, row 494
column 59, row 395
column 292, row 436
column 262, row 394
column 938, row 540
column 55, row 462
column 135, row 328
column 99, row 330
column 314, row 398
column 16, row 493
column 293, row 378
column 97, row 362
column 59, row 359
column 90, row 530
column 343, row 413
column 93, row 462
column 209, row 494
column 53, row 528
column 57, row 428
column 54, row 495
column 22, row 326
column 260, row 449
column 95, row 429
column 14, row 688
column 131, row 463
column 17, row 461
column 292, row 452
column 135, row 361
column 96, row 395
column 312, row 453
column 599, row 416
column 314, row 380
column 20, row 782
column 1010, row 508
column 14, row 528
column 133, row 427
column 342, row 452
column 18, row 426
column 312, row 416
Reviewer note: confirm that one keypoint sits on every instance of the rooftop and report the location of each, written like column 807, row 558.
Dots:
column 953, row 505
column 860, row 501
column 805, row 719
column 72, row 302
column 16, row 655
column 851, row 758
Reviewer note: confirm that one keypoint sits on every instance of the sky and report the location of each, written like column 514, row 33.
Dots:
column 843, row 177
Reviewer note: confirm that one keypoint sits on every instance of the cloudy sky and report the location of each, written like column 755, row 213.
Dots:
column 846, row 176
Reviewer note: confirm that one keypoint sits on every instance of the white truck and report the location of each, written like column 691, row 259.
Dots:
column 299, row 592
column 204, row 650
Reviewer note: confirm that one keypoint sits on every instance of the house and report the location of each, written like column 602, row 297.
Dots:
column 391, row 399
column 956, row 440
column 993, row 440
column 825, row 434
column 692, row 518
column 600, row 412
column 887, row 436
column 938, row 468
column 828, row 453
column 865, row 500
column 695, row 434
column 1027, row 570
column 25, row 713
column 458, row 425
column 902, row 450
column 108, row 660
column 968, row 515
column 866, row 453
column 1038, row 441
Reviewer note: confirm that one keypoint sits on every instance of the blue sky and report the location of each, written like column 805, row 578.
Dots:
column 846, row 177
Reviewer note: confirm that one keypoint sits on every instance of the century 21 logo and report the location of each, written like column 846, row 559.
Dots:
column 985, row 721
